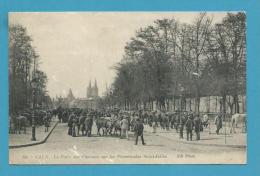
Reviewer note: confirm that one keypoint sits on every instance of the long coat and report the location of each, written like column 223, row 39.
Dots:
column 197, row 124
column 139, row 127
column 189, row 124
column 218, row 121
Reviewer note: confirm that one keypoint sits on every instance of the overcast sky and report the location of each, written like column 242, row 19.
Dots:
column 75, row 48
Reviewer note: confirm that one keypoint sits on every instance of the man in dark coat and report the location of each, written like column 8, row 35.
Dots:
column 139, row 128
column 177, row 121
column 70, row 125
column 189, row 127
column 46, row 123
column 218, row 123
column 197, row 126
column 74, row 124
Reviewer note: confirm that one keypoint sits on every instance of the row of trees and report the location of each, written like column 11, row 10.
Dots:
column 170, row 59
column 25, row 77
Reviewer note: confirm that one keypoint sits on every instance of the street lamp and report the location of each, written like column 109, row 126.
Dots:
column 34, row 93
column 197, row 75
column 224, row 114
column 181, row 89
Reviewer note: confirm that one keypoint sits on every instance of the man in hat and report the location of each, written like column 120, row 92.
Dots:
column 74, row 124
column 197, row 126
column 218, row 123
column 138, row 128
column 189, row 126
column 70, row 124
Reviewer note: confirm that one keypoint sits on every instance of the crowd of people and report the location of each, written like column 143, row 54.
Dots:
column 114, row 121
column 118, row 122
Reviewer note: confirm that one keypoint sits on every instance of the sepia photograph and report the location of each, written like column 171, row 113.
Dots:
column 127, row 88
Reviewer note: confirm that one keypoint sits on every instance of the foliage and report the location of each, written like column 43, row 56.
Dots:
column 170, row 59
column 23, row 70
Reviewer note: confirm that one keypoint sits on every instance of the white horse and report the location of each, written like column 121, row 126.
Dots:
column 235, row 120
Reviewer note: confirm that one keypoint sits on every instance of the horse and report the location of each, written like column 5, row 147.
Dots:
column 176, row 121
column 101, row 124
column 19, row 123
column 88, row 126
column 82, row 124
column 116, row 124
column 165, row 121
column 235, row 120
column 55, row 112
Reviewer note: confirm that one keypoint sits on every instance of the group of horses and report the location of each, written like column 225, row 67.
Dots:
column 19, row 122
column 80, row 121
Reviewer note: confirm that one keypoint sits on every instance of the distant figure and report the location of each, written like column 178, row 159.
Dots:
column 77, row 125
column 139, row 128
column 70, row 124
column 197, row 126
column 218, row 123
column 189, row 127
column 74, row 125
column 46, row 123
column 154, row 122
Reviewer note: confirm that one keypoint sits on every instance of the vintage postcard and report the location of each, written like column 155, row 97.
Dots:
column 127, row 88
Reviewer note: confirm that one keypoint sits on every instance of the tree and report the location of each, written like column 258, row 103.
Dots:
column 204, row 59
column 226, row 49
column 199, row 32
column 23, row 60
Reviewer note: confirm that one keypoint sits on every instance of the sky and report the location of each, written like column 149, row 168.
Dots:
column 78, row 47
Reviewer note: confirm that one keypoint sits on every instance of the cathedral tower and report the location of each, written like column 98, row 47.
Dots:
column 95, row 89
column 89, row 90
column 92, row 92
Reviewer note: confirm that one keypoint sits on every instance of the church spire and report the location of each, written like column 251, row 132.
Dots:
column 92, row 92
column 95, row 89
column 95, row 83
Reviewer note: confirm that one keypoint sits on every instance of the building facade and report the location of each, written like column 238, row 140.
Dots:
column 90, row 101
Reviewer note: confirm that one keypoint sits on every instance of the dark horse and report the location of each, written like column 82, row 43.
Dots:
column 88, row 126
column 20, row 123
column 103, row 124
